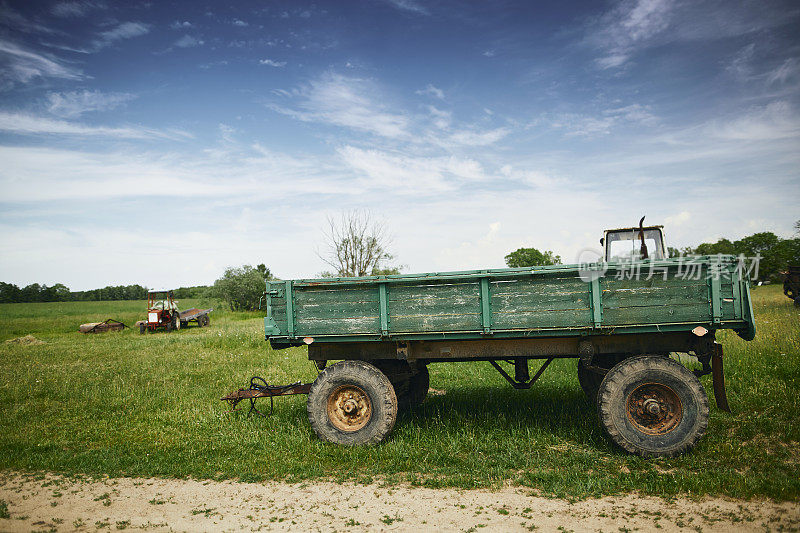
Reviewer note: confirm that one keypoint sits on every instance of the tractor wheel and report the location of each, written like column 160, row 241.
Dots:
column 142, row 328
column 352, row 403
column 410, row 385
column 176, row 323
column 589, row 379
column 168, row 326
column 653, row 406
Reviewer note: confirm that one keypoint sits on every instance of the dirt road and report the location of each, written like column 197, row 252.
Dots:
column 54, row 503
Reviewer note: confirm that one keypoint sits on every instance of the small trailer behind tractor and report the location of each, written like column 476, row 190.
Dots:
column 621, row 319
column 163, row 312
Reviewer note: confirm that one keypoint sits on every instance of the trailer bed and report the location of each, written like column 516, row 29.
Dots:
column 552, row 301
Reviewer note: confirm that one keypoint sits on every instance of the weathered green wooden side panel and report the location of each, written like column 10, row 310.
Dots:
column 434, row 307
column 655, row 300
column 510, row 302
column 342, row 311
column 540, row 302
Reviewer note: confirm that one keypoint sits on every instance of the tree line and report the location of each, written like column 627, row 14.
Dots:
column 10, row 293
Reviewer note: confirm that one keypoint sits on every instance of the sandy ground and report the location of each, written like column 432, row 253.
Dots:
column 53, row 503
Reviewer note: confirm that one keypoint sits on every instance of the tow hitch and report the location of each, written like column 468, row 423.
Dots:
column 259, row 388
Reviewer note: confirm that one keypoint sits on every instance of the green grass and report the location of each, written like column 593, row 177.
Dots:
column 148, row 405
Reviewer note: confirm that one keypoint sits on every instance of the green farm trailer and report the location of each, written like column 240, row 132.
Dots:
column 620, row 318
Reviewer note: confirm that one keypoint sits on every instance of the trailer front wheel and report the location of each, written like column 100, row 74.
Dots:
column 352, row 403
column 653, row 406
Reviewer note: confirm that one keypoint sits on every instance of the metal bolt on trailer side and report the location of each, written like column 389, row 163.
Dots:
column 621, row 328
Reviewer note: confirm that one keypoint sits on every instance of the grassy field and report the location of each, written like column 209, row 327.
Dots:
column 148, row 405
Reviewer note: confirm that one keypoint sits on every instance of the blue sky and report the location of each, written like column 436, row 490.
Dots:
column 159, row 142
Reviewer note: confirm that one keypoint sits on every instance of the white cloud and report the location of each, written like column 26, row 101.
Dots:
column 534, row 178
column 408, row 174
column 21, row 65
column 24, row 124
column 631, row 26
column 627, row 25
column 383, row 170
column 347, row 102
column 178, row 25
column 239, row 22
column 740, row 64
column 488, row 53
column 678, row 220
column 75, row 9
column 478, row 138
column 430, row 90
column 787, row 71
column 187, row 41
column 75, row 103
column 408, row 5
column 272, row 63
column 126, row 30
column 441, row 119
column 776, row 120
column 579, row 125
column 226, row 133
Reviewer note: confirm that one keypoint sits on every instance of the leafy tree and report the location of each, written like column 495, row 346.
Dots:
column 357, row 245
column 242, row 287
column 722, row 246
column 526, row 257
column 9, row 293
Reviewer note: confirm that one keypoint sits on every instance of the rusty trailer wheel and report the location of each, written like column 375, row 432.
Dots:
column 349, row 408
column 653, row 406
column 352, row 403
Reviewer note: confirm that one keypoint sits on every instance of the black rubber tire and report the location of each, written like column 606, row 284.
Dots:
column 206, row 320
column 625, row 378
column 373, row 383
column 410, row 384
column 168, row 326
column 797, row 302
column 418, row 386
column 176, row 323
column 589, row 380
column 142, row 328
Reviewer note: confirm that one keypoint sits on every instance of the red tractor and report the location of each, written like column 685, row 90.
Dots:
column 162, row 312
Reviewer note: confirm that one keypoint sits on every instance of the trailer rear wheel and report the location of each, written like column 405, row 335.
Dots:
column 653, row 406
column 352, row 403
column 410, row 384
column 589, row 379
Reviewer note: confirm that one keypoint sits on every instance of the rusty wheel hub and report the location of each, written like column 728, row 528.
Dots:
column 349, row 408
column 654, row 408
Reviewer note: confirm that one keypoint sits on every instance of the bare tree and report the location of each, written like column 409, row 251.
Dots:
column 356, row 244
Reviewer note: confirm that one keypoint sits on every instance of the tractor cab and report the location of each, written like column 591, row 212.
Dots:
column 634, row 244
column 162, row 311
